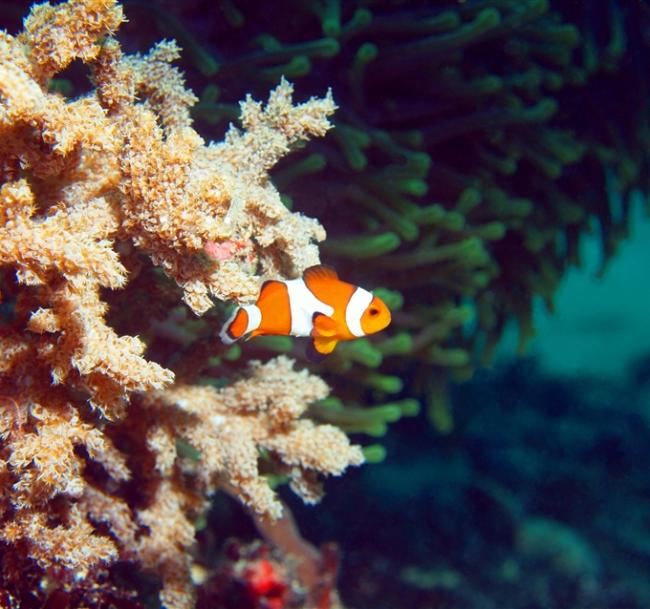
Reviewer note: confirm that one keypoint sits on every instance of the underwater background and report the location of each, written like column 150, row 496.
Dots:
column 510, row 465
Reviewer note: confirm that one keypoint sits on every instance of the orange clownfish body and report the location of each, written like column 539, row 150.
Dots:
column 319, row 305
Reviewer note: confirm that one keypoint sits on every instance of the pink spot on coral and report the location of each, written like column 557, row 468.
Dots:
column 225, row 249
column 220, row 251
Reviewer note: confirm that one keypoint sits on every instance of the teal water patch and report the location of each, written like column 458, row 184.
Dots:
column 601, row 323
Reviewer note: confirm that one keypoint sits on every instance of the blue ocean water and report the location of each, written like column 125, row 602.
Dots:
column 601, row 321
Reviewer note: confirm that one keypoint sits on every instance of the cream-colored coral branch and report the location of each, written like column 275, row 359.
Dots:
column 56, row 35
column 92, row 190
column 230, row 426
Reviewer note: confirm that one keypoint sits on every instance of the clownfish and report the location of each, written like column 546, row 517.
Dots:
column 318, row 305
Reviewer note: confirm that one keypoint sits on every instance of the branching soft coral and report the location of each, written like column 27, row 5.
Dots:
column 67, row 256
column 181, row 197
column 263, row 412
column 218, row 193
column 90, row 188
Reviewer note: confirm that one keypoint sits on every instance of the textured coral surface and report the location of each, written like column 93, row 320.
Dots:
column 111, row 204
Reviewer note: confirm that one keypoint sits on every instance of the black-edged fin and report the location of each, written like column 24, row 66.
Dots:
column 312, row 355
column 323, row 325
column 320, row 272
column 320, row 348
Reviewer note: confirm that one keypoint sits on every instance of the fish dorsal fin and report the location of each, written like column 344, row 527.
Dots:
column 320, row 272
column 323, row 326
column 319, row 348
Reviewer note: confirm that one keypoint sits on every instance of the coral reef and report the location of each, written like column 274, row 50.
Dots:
column 475, row 146
column 112, row 207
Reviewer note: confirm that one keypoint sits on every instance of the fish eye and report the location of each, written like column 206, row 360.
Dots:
column 374, row 311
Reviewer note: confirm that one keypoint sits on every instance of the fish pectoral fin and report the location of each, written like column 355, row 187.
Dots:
column 323, row 325
column 324, row 345
column 319, row 348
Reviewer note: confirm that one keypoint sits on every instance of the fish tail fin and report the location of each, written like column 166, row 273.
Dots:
column 235, row 327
